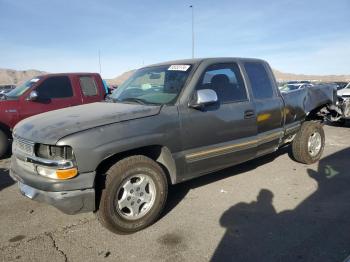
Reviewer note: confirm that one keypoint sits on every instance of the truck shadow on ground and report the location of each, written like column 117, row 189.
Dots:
column 318, row 229
column 5, row 179
column 346, row 124
column 178, row 192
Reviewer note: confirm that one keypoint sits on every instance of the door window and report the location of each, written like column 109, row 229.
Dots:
column 55, row 87
column 88, row 85
column 226, row 81
column 259, row 80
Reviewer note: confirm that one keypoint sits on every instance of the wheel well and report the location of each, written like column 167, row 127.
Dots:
column 316, row 113
column 160, row 154
column 6, row 130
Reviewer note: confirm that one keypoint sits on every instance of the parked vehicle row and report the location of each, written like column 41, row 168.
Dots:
column 294, row 86
column 6, row 88
column 341, row 85
column 168, row 123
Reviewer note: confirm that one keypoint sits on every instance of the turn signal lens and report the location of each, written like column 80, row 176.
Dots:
column 57, row 173
column 66, row 173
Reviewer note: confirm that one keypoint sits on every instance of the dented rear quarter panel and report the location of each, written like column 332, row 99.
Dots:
column 299, row 103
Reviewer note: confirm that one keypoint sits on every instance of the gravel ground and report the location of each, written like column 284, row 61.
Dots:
column 269, row 209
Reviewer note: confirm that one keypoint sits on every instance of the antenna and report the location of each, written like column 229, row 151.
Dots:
column 99, row 59
column 192, row 7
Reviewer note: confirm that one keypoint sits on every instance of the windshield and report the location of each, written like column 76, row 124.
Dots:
column 19, row 90
column 153, row 85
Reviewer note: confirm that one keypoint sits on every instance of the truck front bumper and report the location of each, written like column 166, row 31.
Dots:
column 69, row 202
column 71, row 196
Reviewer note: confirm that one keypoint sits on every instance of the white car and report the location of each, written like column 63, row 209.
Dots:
column 345, row 92
column 344, row 103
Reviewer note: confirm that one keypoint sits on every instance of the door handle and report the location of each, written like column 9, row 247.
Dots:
column 249, row 114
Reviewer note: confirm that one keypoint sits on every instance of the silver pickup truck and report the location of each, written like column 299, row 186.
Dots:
column 168, row 123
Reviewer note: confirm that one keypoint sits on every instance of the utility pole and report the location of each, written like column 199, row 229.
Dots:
column 99, row 59
column 192, row 7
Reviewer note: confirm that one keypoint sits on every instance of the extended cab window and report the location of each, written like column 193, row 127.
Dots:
column 226, row 81
column 88, row 85
column 55, row 87
column 259, row 80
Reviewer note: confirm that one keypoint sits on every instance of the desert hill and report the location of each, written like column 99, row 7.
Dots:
column 14, row 77
column 280, row 76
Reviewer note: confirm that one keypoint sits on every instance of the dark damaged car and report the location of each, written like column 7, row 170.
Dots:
column 168, row 123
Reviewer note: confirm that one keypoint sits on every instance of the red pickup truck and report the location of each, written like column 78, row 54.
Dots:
column 45, row 93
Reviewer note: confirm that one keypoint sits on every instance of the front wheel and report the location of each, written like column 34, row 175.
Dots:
column 308, row 144
column 134, row 195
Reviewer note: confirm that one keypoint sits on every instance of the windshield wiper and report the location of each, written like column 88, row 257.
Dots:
column 137, row 100
column 133, row 99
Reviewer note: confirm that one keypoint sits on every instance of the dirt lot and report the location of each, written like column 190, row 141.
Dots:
column 270, row 209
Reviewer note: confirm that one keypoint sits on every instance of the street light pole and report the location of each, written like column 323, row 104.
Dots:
column 192, row 7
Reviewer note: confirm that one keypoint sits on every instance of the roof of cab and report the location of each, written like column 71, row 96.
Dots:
column 209, row 59
column 68, row 74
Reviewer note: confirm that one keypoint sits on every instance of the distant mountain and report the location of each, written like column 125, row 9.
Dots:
column 14, row 77
column 121, row 78
column 280, row 76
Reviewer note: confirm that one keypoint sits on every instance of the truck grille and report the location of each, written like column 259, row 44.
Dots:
column 23, row 146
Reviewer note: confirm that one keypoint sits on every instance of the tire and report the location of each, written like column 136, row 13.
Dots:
column 123, row 180
column 4, row 143
column 303, row 145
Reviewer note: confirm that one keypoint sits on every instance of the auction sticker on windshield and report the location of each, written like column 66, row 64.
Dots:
column 179, row 67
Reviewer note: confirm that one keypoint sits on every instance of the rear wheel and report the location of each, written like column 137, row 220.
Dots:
column 4, row 143
column 308, row 145
column 134, row 195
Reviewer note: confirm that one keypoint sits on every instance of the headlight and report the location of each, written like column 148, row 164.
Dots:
column 61, row 165
column 54, row 152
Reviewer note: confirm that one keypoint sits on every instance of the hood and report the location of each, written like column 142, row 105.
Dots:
column 344, row 91
column 48, row 128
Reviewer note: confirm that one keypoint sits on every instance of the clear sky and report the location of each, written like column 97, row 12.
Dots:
column 297, row 36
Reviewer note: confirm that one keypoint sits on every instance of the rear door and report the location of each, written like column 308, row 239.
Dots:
column 268, row 105
column 90, row 87
column 54, row 92
column 222, row 134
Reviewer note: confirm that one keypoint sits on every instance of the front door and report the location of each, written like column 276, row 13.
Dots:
column 221, row 134
column 55, row 92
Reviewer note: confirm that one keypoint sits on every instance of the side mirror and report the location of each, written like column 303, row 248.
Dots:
column 33, row 96
column 203, row 98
